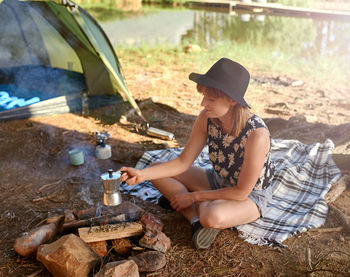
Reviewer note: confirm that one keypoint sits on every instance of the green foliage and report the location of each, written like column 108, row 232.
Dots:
column 103, row 12
column 262, row 60
column 294, row 3
column 165, row 2
column 297, row 3
column 298, row 47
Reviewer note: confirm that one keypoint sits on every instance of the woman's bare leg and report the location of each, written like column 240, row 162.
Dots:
column 222, row 214
column 193, row 179
column 213, row 215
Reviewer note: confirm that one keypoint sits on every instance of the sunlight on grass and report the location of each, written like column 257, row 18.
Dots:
column 263, row 61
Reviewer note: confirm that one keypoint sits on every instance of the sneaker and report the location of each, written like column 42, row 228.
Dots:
column 203, row 237
column 165, row 203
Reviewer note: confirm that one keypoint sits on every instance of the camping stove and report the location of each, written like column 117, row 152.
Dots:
column 111, row 184
column 103, row 150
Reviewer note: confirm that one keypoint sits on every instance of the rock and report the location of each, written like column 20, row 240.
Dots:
column 149, row 261
column 138, row 248
column 121, row 246
column 156, row 241
column 124, row 268
column 29, row 243
column 322, row 93
column 100, row 247
column 297, row 83
column 154, row 238
column 123, row 120
column 192, row 48
column 68, row 256
column 152, row 223
column 298, row 119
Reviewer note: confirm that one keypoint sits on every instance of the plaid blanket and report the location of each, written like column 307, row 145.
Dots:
column 303, row 176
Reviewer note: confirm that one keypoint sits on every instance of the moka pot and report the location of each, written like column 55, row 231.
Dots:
column 111, row 185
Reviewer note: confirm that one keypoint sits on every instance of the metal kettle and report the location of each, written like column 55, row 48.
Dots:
column 111, row 185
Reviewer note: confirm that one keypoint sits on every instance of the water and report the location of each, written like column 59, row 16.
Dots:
column 163, row 26
column 322, row 41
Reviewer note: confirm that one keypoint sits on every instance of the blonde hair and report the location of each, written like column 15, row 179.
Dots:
column 238, row 112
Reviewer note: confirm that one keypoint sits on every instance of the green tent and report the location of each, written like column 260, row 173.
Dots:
column 52, row 53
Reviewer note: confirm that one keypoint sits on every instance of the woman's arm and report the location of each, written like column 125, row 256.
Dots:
column 256, row 149
column 176, row 166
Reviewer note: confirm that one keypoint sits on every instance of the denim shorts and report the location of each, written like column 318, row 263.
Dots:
column 260, row 197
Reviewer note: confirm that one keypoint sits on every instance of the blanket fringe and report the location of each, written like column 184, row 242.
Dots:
column 260, row 241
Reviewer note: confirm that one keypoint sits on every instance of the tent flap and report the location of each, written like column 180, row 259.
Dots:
column 55, row 37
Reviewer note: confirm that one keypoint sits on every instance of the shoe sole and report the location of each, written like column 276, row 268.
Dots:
column 204, row 237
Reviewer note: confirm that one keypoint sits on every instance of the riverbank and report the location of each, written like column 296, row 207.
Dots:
column 134, row 5
column 326, row 74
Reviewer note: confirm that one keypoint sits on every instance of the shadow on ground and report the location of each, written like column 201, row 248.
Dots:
column 37, row 177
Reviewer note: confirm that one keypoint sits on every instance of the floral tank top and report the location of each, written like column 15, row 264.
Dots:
column 226, row 153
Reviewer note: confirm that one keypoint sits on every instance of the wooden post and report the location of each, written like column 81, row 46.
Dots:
column 335, row 191
column 337, row 188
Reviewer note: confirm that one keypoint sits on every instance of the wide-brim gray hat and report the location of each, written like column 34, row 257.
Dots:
column 227, row 76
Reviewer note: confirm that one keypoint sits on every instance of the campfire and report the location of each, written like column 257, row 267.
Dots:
column 80, row 242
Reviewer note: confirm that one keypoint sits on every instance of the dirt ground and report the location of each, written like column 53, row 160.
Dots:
column 36, row 176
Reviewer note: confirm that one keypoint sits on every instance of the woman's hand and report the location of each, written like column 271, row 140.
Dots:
column 131, row 176
column 182, row 201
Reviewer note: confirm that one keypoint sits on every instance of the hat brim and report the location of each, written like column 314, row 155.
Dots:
column 204, row 80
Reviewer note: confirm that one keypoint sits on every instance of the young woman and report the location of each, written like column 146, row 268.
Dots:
column 237, row 188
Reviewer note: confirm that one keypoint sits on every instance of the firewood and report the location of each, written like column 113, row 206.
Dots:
column 308, row 261
column 28, row 244
column 110, row 231
column 335, row 191
column 47, row 197
column 337, row 188
column 36, row 273
column 48, row 185
column 341, row 217
column 55, row 219
column 327, row 230
column 86, row 213
column 100, row 220
column 131, row 211
column 121, row 246
column 100, row 247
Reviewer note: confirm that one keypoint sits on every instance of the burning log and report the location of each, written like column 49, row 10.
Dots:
column 86, row 213
column 100, row 220
column 126, row 211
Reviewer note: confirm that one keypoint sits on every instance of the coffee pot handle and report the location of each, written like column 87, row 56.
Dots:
column 110, row 172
